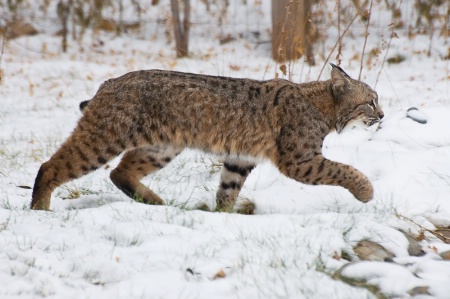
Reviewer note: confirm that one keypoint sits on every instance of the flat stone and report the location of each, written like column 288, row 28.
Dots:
column 414, row 247
column 416, row 115
column 445, row 255
column 370, row 251
column 423, row 290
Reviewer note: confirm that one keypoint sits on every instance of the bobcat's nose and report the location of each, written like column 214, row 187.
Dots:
column 380, row 114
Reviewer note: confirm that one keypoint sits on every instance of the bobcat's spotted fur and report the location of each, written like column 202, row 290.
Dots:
column 153, row 115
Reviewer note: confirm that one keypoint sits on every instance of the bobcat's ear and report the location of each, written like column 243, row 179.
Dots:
column 340, row 81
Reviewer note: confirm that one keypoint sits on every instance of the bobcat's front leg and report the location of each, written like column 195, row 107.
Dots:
column 232, row 178
column 321, row 171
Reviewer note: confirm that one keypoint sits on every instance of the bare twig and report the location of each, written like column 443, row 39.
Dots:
column 369, row 13
column 339, row 54
column 389, row 43
column 335, row 45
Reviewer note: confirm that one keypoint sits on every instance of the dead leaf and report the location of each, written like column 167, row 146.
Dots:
column 220, row 274
column 336, row 256
column 283, row 69
column 234, row 67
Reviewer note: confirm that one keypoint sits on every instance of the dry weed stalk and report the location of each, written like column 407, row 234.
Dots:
column 339, row 54
column 336, row 44
column 368, row 13
column 393, row 34
column 438, row 233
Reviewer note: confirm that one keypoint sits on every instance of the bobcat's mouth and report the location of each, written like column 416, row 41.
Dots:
column 358, row 122
column 371, row 121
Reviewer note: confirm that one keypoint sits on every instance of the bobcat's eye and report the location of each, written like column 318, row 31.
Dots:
column 372, row 105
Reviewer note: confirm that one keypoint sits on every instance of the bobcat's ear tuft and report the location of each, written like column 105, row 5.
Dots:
column 339, row 69
column 340, row 81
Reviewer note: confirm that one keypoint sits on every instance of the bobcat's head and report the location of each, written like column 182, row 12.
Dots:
column 355, row 100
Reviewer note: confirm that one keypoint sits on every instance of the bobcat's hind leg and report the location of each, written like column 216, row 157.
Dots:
column 75, row 158
column 138, row 163
column 232, row 178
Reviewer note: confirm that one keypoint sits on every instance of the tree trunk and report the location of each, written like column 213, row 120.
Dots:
column 291, row 30
column 181, row 29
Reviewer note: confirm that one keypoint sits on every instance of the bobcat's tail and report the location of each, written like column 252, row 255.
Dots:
column 83, row 105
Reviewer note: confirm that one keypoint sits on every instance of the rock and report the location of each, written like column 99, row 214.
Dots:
column 414, row 247
column 445, row 255
column 371, row 251
column 416, row 115
column 377, row 277
column 357, row 282
column 419, row 291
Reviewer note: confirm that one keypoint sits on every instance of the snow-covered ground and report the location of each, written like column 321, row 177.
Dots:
column 97, row 243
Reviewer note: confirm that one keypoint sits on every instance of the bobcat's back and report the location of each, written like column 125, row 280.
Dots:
column 216, row 114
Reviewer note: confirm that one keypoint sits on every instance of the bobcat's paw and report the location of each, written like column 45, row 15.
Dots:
column 245, row 207
column 364, row 194
column 365, row 199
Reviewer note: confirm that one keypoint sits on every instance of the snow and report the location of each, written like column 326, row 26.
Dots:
column 103, row 245
column 392, row 278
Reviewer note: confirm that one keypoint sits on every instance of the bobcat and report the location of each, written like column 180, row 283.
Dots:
column 153, row 115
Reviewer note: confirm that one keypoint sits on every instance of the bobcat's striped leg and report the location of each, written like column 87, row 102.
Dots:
column 75, row 158
column 234, row 173
column 136, row 164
